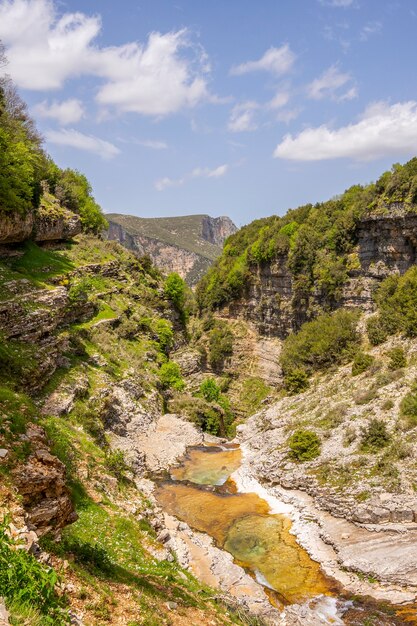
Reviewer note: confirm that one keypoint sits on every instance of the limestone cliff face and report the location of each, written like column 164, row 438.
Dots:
column 41, row 225
column 186, row 245
column 217, row 229
column 387, row 244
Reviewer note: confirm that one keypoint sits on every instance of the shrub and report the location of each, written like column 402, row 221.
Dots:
column 375, row 436
column 220, row 345
column 365, row 396
column 397, row 303
column 361, row 363
column 175, row 290
column 209, row 416
column 210, row 390
column 408, row 407
column 165, row 334
column 327, row 340
column 387, row 405
column 397, row 358
column 304, row 445
column 377, row 334
column 170, row 376
column 116, row 464
column 296, row 381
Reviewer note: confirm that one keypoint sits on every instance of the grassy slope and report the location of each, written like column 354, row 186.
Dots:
column 185, row 232
column 107, row 556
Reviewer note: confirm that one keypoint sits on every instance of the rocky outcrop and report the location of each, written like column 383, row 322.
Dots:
column 41, row 225
column 387, row 244
column 41, row 481
column 187, row 245
column 217, row 229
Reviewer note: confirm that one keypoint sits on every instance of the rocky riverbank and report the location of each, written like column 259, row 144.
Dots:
column 365, row 561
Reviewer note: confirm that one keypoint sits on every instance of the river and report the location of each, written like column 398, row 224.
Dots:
column 200, row 492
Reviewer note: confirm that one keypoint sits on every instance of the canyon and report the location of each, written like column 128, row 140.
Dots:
column 187, row 245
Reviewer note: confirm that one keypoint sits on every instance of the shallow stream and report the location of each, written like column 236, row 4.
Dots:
column 201, row 493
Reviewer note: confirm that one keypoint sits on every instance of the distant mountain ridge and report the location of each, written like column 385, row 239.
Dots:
column 185, row 244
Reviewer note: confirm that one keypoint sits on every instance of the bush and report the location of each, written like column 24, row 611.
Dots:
column 210, row 390
column 408, row 407
column 170, row 376
column 220, row 345
column 361, row 363
column 165, row 334
column 397, row 358
column 116, row 464
column 304, row 445
column 397, row 303
column 175, row 291
column 376, row 331
column 296, row 381
column 375, row 436
column 326, row 341
column 209, row 416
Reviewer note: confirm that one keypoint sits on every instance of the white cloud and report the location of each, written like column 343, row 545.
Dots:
column 382, row 131
column 288, row 115
column 153, row 80
column 337, row 3
column 164, row 75
column 242, row 117
column 206, row 172
column 66, row 112
column 372, row 28
column 153, row 144
column 328, row 85
column 198, row 172
column 280, row 99
column 275, row 60
column 74, row 139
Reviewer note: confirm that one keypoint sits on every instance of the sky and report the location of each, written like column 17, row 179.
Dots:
column 243, row 108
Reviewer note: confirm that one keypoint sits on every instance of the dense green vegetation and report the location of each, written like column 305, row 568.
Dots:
column 396, row 299
column 318, row 239
column 328, row 340
column 29, row 179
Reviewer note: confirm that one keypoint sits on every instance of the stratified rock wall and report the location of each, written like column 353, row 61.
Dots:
column 387, row 244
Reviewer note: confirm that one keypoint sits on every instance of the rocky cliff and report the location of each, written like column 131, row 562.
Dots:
column 43, row 224
column 386, row 244
column 187, row 245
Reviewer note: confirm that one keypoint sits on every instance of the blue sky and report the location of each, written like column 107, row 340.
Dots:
column 228, row 107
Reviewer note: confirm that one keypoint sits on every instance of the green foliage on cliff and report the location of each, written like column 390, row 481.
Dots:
column 328, row 340
column 75, row 193
column 318, row 241
column 170, row 376
column 396, row 299
column 220, row 345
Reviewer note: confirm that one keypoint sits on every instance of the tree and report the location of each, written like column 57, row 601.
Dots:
column 175, row 290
